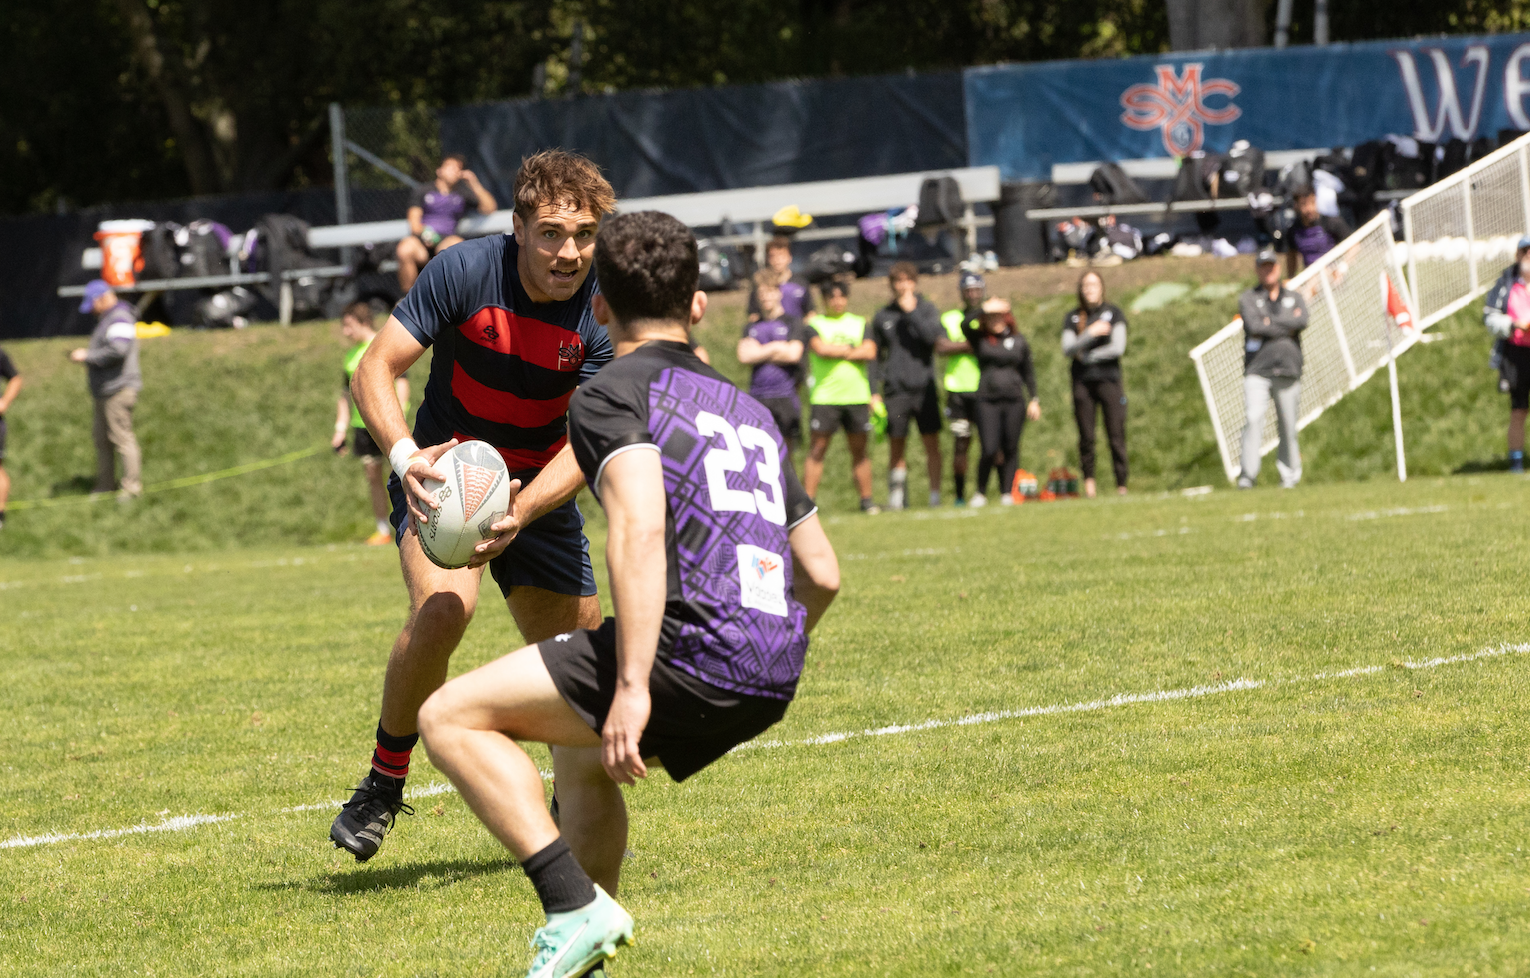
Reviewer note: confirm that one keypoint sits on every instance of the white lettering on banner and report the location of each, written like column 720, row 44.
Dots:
column 1516, row 87
column 1448, row 111
column 769, row 500
column 761, row 580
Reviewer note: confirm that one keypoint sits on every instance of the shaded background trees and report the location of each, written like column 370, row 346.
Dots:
column 137, row 99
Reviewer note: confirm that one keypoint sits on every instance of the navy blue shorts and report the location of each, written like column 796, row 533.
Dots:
column 551, row 553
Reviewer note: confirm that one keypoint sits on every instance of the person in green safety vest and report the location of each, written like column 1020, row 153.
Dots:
column 358, row 324
column 839, row 395
column 961, row 377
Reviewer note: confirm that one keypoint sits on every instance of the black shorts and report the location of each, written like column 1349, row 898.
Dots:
column 2, row 438
column 552, row 553
column 787, row 412
column 828, row 418
column 922, row 407
column 961, row 411
column 1515, row 373
column 363, row 445
column 693, row 723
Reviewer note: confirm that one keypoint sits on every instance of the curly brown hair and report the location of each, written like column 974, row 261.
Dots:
column 556, row 176
column 647, row 267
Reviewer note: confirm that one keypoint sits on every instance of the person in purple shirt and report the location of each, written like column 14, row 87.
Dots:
column 719, row 570
column 796, row 296
column 773, row 347
column 434, row 209
column 1313, row 235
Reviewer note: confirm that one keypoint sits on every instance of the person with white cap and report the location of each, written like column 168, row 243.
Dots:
column 1273, row 319
column 1506, row 314
column 111, row 361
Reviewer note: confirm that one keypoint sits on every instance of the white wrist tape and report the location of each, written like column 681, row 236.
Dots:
column 400, row 455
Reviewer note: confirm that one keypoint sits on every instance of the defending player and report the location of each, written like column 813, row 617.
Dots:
column 719, row 569
column 513, row 333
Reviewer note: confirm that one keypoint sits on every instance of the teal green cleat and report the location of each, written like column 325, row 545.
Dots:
column 572, row 943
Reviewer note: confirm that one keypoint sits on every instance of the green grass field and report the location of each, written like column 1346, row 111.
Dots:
column 1288, row 816
column 1278, row 732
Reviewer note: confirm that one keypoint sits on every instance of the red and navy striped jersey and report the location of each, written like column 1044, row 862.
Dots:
column 504, row 367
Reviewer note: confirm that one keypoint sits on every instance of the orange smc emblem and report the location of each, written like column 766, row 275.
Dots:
column 476, row 483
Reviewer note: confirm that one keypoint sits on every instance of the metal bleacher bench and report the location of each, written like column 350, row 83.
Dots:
column 718, row 208
column 1166, row 168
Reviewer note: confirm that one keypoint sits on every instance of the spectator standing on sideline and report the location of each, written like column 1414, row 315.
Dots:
column 434, row 210
column 796, row 295
column 12, row 378
column 1006, row 396
column 907, row 332
column 1506, row 313
column 1094, row 339
column 961, row 379
column 772, row 347
column 1313, row 235
column 358, row 325
column 839, row 348
column 111, row 362
column 1273, row 319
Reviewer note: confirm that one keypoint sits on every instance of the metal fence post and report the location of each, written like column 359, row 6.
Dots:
column 342, row 186
column 1471, row 236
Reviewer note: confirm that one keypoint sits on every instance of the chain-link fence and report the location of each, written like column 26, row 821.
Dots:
column 383, row 153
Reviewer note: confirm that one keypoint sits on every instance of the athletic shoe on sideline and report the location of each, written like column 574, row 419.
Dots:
column 978, row 501
column 1244, row 482
column 934, row 499
column 1006, row 500
column 379, row 539
column 366, row 819
column 570, row 943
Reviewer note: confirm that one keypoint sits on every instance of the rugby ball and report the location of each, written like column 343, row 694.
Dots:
column 475, row 496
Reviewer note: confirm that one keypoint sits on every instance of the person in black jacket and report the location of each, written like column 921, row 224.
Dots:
column 1006, row 395
column 908, row 334
column 1093, row 339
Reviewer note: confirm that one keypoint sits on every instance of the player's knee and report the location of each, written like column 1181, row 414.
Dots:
column 443, row 616
column 433, row 719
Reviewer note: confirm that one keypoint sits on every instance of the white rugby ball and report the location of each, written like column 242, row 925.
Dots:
column 475, row 495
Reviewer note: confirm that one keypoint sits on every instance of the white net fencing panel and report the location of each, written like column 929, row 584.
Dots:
column 1460, row 234
column 1345, row 342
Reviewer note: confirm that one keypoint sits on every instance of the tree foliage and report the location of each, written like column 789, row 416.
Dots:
column 134, row 99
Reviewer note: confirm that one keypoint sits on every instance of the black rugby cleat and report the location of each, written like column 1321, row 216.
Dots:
column 365, row 820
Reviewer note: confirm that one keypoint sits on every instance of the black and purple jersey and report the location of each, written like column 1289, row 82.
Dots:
column 730, row 618
column 775, row 379
column 504, row 367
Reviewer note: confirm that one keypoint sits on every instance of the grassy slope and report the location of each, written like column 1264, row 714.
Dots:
column 1322, row 826
column 214, row 400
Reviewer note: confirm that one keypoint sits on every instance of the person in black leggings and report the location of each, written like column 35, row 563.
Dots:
column 1006, row 395
column 1094, row 338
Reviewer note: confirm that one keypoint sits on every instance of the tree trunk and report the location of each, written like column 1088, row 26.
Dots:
column 195, row 152
column 1198, row 24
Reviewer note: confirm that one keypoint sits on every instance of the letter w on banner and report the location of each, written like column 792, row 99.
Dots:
column 1448, row 111
column 1177, row 106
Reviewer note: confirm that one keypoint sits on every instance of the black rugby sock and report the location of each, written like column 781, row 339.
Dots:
column 390, row 758
column 961, row 485
column 561, row 883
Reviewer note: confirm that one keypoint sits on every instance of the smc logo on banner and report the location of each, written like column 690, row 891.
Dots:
column 1177, row 106
column 1026, row 118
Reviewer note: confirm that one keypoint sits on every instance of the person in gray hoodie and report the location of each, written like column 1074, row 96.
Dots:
column 1273, row 319
column 111, row 362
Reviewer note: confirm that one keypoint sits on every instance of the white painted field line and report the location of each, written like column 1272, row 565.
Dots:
column 181, row 823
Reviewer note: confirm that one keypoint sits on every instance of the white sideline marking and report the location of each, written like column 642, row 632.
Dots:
column 183, row 822
column 1376, row 514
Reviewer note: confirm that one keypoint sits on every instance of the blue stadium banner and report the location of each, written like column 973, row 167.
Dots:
column 1025, row 118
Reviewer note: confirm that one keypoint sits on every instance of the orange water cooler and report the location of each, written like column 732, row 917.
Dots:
column 121, row 255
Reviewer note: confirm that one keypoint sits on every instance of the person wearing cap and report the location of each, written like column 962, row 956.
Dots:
column 111, row 363
column 1094, row 340
column 1006, row 396
column 1273, row 319
column 961, row 377
column 1506, row 314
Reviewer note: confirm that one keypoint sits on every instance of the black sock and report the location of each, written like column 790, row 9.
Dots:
column 961, row 484
column 561, row 883
column 390, row 759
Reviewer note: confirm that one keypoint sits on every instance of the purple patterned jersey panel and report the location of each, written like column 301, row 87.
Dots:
column 723, row 461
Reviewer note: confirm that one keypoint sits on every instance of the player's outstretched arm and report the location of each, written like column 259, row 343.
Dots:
column 815, row 568
column 632, row 492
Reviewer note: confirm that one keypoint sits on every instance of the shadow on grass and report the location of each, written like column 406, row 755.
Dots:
column 429, row 875
column 78, row 485
column 1482, row 465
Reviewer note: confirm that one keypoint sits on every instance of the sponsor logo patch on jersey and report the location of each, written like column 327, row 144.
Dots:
column 571, row 354
column 762, row 580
